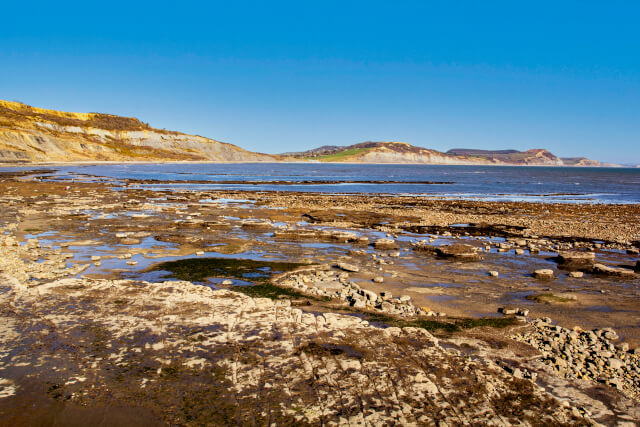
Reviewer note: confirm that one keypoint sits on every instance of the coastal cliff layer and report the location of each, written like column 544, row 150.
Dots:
column 401, row 152
column 29, row 134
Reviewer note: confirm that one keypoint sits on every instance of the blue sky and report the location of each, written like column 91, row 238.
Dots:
column 284, row 76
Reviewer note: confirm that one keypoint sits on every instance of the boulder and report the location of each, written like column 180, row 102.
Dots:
column 611, row 271
column 615, row 364
column 378, row 279
column 543, row 274
column 458, row 251
column 576, row 258
column 129, row 241
column 348, row 267
column 385, row 244
column 494, row 273
column 370, row 295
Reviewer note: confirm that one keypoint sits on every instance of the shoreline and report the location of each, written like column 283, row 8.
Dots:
column 409, row 277
column 133, row 162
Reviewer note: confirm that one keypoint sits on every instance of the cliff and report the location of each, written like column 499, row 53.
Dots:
column 29, row 134
column 401, row 152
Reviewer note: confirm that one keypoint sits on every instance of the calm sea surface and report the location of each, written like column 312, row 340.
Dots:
column 547, row 184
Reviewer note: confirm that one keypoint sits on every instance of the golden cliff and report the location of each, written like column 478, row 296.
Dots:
column 29, row 134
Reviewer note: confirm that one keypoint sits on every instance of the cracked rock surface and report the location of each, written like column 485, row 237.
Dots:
column 186, row 354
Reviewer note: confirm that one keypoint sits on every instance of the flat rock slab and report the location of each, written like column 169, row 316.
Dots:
column 186, row 354
column 459, row 251
column 348, row 267
column 385, row 244
column 543, row 274
column 612, row 271
column 576, row 258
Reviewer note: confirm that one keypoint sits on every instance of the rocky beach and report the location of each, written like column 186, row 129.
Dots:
column 125, row 304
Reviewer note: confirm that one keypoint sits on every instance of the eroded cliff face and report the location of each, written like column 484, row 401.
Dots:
column 37, row 135
column 401, row 152
column 426, row 157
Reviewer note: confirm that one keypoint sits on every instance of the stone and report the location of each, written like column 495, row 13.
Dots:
column 615, row 363
column 227, row 282
column 405, row 298
column 609, row 334
column 358, row 303
column 623, row 346
column 348, row 267
column 132, row 262
column 543, row 274
column 460, row 252
column 576, row 258
column 370, row 295
column 611, row 271
column 378, row 279
column 519, row 251
column 522, row 312
column 576, row 274
column 129, row 241
column 385, row 244
column 494, row 273
column 508, row 311
column 200, row 253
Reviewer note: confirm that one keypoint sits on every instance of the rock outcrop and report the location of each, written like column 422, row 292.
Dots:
column 401, row 152
column 29, row 134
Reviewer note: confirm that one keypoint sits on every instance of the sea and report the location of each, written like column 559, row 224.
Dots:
column 486, row 183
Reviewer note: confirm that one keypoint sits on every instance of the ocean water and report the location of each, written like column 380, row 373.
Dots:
column 496, row 183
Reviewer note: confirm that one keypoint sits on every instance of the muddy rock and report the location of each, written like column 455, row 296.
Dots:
column 348, row 267
column 460, row 252
column 576, row 259
column 543, row 274
column 385, row 244
column 606, row 270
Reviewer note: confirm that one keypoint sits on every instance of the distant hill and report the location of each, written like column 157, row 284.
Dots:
column 29, row 134
column 401, row 152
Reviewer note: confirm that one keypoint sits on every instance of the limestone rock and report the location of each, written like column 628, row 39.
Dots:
column 460, row 252
column 348, row 267
column 543, row 274
column 611, row 271
column 385, row 244
column 576, row 259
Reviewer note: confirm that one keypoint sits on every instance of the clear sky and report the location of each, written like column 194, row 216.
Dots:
column 282, row 76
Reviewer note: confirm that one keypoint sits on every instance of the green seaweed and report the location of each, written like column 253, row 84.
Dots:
column 548, row 299
column 200, row 269
column 268, row 290
column 454, row 325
